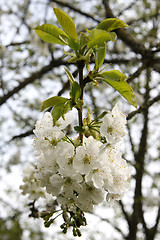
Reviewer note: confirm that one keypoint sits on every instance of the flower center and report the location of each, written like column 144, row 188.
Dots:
column 70, row 161
column 110, row 130
column 86, row 160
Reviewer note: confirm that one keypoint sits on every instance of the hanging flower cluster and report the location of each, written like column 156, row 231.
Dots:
column 82, row 175
column 31, row 185
column 82, row 171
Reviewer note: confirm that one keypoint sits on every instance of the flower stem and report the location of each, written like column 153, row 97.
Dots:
column 80, row 65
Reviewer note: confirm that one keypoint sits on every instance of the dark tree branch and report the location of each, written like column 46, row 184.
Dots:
column 127, row 217
column 17, row 43
column 128, row 7
column 136, row 46
column 138, row 215
column 26, row 134
column 116, row 227
column 136, row 73
column 130, row 139
column 154, row 229
column 143, row 107
column 75, row 9
column 32, row 78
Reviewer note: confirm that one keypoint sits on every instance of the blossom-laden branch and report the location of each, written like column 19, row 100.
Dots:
column 81, row 170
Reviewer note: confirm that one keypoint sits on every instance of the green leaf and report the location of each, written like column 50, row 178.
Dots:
column 120, row 85
column 73, row 44
column 84, row 39
column 70, row 76
column 75, row 91
column 102, row 115
column 100, row 53
column 97, row 36
column 78, row 129
column 111, row 24
column 51, row 34
column 66, row 22
column 114, row 75
column 60, row 109
column 50, row 102
column 69, row 53
column 79, row 104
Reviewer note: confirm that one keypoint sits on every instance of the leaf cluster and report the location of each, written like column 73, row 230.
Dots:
column 88, row 45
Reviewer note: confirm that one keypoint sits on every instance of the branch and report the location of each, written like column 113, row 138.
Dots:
column 138, row 214
column 131, row 140
column 143, row 107
column 115, row 227
column 75, row 9
column 127, row 8
column 17, row 43
column 125, row 213
column 26, row 134
column 32, row 78
column 136, row 73
column 154, row 229
column 136, row 46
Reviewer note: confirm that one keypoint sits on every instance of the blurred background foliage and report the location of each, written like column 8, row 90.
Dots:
column 31, row 71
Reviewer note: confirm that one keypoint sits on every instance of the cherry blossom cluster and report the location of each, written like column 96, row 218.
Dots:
column 31, row 185
column 82, row 174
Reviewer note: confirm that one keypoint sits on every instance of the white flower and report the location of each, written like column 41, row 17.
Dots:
column 57, row 183
column 31, row 185
column 65, row 159
column 44, row 125
column 87, row 156
column 98, row 175
column 89, row 196
column 62, row 123
column 72, row 186
column 113, row 126
column 120, row 172
column 47, row 135
column 112, row 197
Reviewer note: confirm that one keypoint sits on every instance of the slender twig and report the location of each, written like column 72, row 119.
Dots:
column 143, row 107
column 26, row 134
column 64, row 4
column 154, row 229
column 80, row 65
column 113, row 224
column 128, row 39
column 32, row 78
column 125, row 213
column 136, row 73
column 131, row 140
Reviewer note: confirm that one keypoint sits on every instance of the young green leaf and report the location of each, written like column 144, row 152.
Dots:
column 51, row 34
column 73, row 44
column 75, row 91
column 66, row 22
column 114, row 75
column 78, row 129
column 102, row 115
column 84, row 39
column 60, row 109
column 69, row 53
column 121, row 86
column 111, row 24
column 70, row 76
column 100, row 53
column 50, row 102
column 97, row 36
